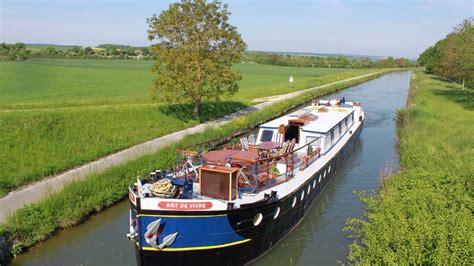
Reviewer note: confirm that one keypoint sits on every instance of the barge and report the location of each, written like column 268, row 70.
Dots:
column 230, row 206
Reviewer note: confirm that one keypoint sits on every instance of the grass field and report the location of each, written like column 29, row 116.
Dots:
column 66, row 82
column 77, row 200
column 41, row 135
column 423, row 214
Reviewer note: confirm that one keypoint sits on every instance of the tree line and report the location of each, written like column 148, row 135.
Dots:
column 329, row 61
column 452, row 58
column 21, row 51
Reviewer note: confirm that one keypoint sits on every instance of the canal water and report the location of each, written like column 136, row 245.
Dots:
column 318, row 240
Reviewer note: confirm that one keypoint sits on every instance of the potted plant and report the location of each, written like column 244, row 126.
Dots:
column 273, row 172
column 304, row 161
column 262, row 177
column 310, row 151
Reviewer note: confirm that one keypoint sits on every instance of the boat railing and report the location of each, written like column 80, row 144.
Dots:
column 263, row 168
column 267, row 172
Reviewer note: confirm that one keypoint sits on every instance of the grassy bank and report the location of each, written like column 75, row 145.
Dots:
column 77, row 200
column 424, row 213
column 53, row 138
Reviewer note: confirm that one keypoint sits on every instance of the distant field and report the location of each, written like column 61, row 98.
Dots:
column 66, row 82
column 113, row 110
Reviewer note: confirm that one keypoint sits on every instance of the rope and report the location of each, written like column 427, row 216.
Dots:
column 163, row 188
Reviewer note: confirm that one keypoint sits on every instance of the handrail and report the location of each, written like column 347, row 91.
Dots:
column 285, row 154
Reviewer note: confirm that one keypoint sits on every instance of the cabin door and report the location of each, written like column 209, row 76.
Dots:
column 292, row 132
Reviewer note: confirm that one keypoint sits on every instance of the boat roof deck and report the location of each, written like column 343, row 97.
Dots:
column 324, row 122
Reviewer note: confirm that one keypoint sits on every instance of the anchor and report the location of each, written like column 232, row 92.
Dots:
column 153, row 233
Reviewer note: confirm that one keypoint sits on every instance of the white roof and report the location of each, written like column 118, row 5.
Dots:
column 324, row 122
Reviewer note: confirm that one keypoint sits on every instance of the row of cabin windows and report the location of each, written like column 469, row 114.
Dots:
column 348, row 121
column 267, row 135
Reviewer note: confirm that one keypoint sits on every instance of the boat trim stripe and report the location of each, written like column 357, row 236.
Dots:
column 198, row 248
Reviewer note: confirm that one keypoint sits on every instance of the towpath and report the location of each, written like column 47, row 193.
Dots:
column 41, row 189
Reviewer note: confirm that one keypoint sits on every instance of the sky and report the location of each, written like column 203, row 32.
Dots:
column 403, row 28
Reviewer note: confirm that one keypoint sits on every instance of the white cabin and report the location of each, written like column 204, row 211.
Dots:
column 324, row 121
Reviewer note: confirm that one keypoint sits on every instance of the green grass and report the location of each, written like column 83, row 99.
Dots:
column 424, row 213
column 112, row 110
column 53, row 83
column 77, row 200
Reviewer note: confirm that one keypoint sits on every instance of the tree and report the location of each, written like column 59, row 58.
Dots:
column 457, row 54
column 429, row 58
column 88, row 51
column 195, row 50
column 452, row 58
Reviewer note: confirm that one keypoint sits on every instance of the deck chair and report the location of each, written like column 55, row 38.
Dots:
column 292, row 145
column 284, row 148
column 245, row 143
column 252, row 139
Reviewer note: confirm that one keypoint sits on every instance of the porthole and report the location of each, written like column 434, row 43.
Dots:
column 257, row 219
column 277, row 212
column 329, row 169
column 293, row 203
column 309, row 188
column 314, row 183
column 302, row 195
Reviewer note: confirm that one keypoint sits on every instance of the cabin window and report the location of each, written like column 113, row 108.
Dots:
column 267, row 135
column 332, row 136
column 277, row 212
column 309, row 189
column 302, row 195
column 345, row 121
column 316, row 143
column 314, row 183
column 257, row 219
column 293, row 203
column 340, row 129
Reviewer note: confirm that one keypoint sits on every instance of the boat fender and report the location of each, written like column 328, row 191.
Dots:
column 5, row 250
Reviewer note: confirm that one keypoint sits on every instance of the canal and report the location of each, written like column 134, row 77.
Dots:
column 318, row 240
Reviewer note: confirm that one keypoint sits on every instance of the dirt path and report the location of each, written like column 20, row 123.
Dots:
column 41, row 189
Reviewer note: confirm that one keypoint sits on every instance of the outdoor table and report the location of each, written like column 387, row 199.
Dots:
column 269, row 145
column 236, row 156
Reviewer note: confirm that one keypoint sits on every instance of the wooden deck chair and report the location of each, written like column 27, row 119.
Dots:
column 284, row 148
column 252, row 139
column 245, row 143
column 292, row 145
